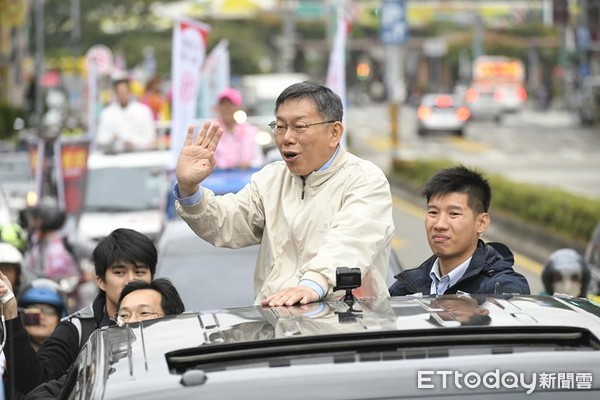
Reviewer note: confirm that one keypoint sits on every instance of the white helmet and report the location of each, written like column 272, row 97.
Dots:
column 9, row 254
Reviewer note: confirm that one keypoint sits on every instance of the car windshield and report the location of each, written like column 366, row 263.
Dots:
column 123, row 189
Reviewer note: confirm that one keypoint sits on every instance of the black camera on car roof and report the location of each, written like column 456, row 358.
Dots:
column 347, row 278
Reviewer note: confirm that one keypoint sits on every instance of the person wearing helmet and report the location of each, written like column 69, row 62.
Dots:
column 49, row 256
column 13, row 233
column 11, row 262
column 42, row 304
column 566, row 272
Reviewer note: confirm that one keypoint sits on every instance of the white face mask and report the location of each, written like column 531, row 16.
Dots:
column 568, row 287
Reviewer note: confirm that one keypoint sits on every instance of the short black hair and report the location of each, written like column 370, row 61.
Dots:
column 461, row 179
column 170, row 301
column 329, row 104
column 125, row 245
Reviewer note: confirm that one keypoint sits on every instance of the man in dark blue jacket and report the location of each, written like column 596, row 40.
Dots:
column 458, row 200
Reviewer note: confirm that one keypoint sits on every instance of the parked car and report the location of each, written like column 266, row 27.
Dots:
column 451, row 347
column 125, row 190
column 443, row 113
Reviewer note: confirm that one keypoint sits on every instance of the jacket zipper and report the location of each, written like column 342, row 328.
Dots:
column 303, row 186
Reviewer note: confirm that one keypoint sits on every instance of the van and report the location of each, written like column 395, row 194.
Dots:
column 125, row 190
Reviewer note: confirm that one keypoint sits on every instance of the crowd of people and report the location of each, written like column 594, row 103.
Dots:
column 318, row 208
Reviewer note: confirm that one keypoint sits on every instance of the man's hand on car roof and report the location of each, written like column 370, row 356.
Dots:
column 290, row 296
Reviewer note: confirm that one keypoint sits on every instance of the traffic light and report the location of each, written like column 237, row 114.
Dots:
column 363, row 70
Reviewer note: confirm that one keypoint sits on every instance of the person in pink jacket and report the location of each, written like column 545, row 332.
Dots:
column 237, row 148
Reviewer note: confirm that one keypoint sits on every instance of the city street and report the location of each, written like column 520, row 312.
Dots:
column 547, row 148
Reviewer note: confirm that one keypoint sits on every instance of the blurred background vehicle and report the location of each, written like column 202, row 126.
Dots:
column 124, row 190
column 259, row 93
column 222, row 181
column 506, row 75
column 17, row 180
column 483, row 102
column 442, row 113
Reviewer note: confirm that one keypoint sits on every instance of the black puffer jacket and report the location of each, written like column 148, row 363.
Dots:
column 490, row 272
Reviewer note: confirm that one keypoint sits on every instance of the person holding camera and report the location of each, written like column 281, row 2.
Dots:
column 318, row 209
column 139, row 301
column 42, row 304
column 119, row 258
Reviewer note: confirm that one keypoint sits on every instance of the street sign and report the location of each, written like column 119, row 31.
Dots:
column 101, row 57
column 393, row 28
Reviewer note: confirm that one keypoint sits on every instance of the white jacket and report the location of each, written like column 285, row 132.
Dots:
column 341, row 216
column 133, row 123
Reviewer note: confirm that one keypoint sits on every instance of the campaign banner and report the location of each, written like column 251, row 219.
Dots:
column 189, row 49
column 39, row 165
column 336, row 72
column 214, row 78
column 70, row 157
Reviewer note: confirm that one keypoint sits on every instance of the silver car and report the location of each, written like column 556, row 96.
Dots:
column 442, row 113
column 451, row 347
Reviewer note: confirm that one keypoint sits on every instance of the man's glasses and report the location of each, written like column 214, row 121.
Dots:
column 279, row 128
column 125, row 317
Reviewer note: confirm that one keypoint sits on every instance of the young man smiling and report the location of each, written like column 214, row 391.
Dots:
column 458, row 200
column 318, row 209
column 122, row 256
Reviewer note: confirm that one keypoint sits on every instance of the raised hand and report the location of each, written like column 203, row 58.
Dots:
column 10, row 307
column 197, row 157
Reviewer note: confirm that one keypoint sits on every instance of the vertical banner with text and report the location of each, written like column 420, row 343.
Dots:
column 71, row 155
column 189, row 49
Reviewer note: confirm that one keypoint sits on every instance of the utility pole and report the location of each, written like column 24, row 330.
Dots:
column 75, row 15
column 288, row 38
column 38, row 10
column 394, row 32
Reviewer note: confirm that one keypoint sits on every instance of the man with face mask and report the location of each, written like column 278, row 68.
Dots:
column 566, row 272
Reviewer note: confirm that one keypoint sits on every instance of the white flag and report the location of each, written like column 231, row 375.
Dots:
column 336, row 72
column 189, row 50
column 215, row 78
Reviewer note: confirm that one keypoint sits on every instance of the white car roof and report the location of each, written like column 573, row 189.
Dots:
column 133, row 159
